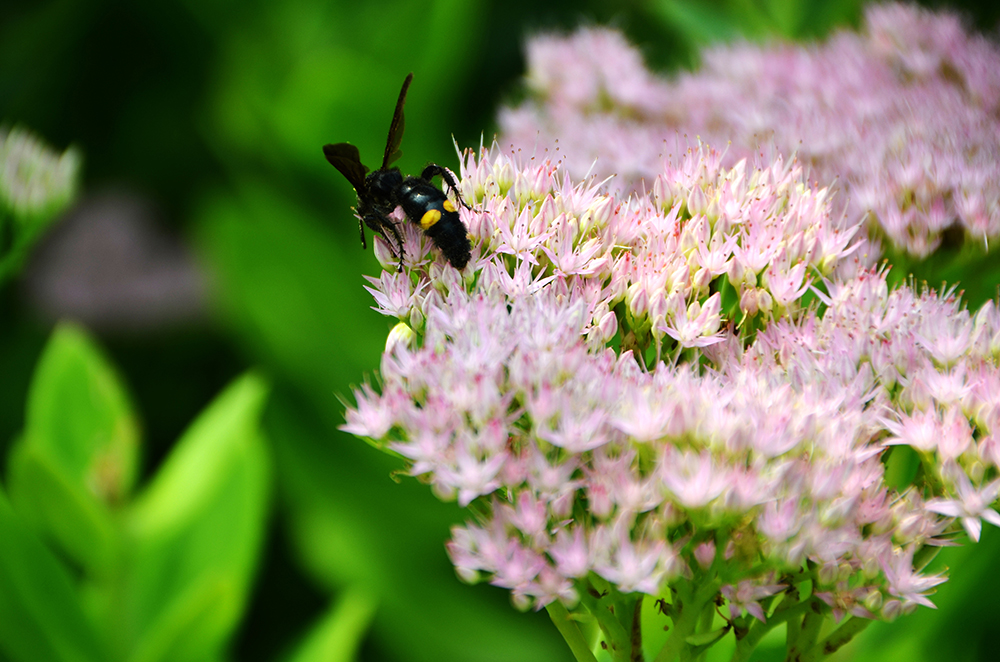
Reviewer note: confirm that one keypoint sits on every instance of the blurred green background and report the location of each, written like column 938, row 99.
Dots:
column 210, row 238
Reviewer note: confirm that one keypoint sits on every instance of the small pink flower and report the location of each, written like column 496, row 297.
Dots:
column 697, row 325
column 694, row 480
column 971, row 504
column 745, row 596
column 904, row 582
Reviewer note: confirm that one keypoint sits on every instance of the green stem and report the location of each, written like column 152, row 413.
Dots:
column 836, row 639
column 637, row 631
column 705, row 624
column 596, row 601
column 570, row 631
column 688, row 606
column 811, row 624
column 787, row 612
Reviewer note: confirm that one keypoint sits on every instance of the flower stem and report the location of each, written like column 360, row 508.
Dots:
column 788, row 611
column 637, row 631
column 601, row 604
column 812, row 622
column 836, row 639
column 688, row 606
column 570, row 631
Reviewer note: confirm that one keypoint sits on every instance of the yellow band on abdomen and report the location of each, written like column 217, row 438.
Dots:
column 431, row 217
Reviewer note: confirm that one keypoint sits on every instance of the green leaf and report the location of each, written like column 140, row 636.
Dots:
column 78, row 454
column 296, row 75
column 962, row 627
column 700, row 23
column 80, row 417
column 40, row 613
column 197, row 532
column 707, row 22
column 192, row 624
column 704, row 638
column 82, row 527
column 339, row 633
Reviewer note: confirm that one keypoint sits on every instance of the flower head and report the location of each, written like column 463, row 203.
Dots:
column 625, row 448
column 692, row 389
column 902, row 116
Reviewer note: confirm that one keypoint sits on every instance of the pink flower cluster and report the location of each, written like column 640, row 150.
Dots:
column 632, row 390
column 904, row 117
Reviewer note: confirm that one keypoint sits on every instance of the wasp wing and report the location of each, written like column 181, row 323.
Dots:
column 392, row 151
column 346, row 158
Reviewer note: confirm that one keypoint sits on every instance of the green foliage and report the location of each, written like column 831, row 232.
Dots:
column 355, row 527
column 704, row 23
column 335, row 638
column 41, row 615
column 77, row 457
column 196, row 533
column 90, row 573
column 969, row 267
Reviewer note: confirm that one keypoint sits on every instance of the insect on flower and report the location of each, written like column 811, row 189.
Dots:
column 381, row 191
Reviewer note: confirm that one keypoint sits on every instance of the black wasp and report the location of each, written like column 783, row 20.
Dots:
column 381, row 191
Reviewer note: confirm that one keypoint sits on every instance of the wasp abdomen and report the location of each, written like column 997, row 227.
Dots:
column 449, row 235
column 428, row 206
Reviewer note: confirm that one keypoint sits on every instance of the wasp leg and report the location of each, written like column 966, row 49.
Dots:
column 361, row 229
column 379, row 222
column 448, row 177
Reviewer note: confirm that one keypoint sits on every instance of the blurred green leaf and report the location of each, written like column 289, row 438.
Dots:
column 702, row 23
column 80, row 524
column 78, row 453
column 197, row 532
column 339, row 633
column 970, row 268
column 355, row 527
column 195, row 622
column 40, row 613
column 304, row 74
column 713, row 21
column 80, row 417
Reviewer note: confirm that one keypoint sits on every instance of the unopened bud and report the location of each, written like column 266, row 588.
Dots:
column 401, row 335
column 874, row 601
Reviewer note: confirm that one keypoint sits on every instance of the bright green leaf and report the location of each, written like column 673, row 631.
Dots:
column 79, row 416
column 61, row 508
column 197, row 532
column 40, row 613
column 222, row 435
column 78, row 454
column 189, row 628
column 339, row 633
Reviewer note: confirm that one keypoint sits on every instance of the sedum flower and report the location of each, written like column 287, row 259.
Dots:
column 34, row 180
column 593, row 388
column 36, row 184
column 697, row 388
column 971, row 505
column 902, row 116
